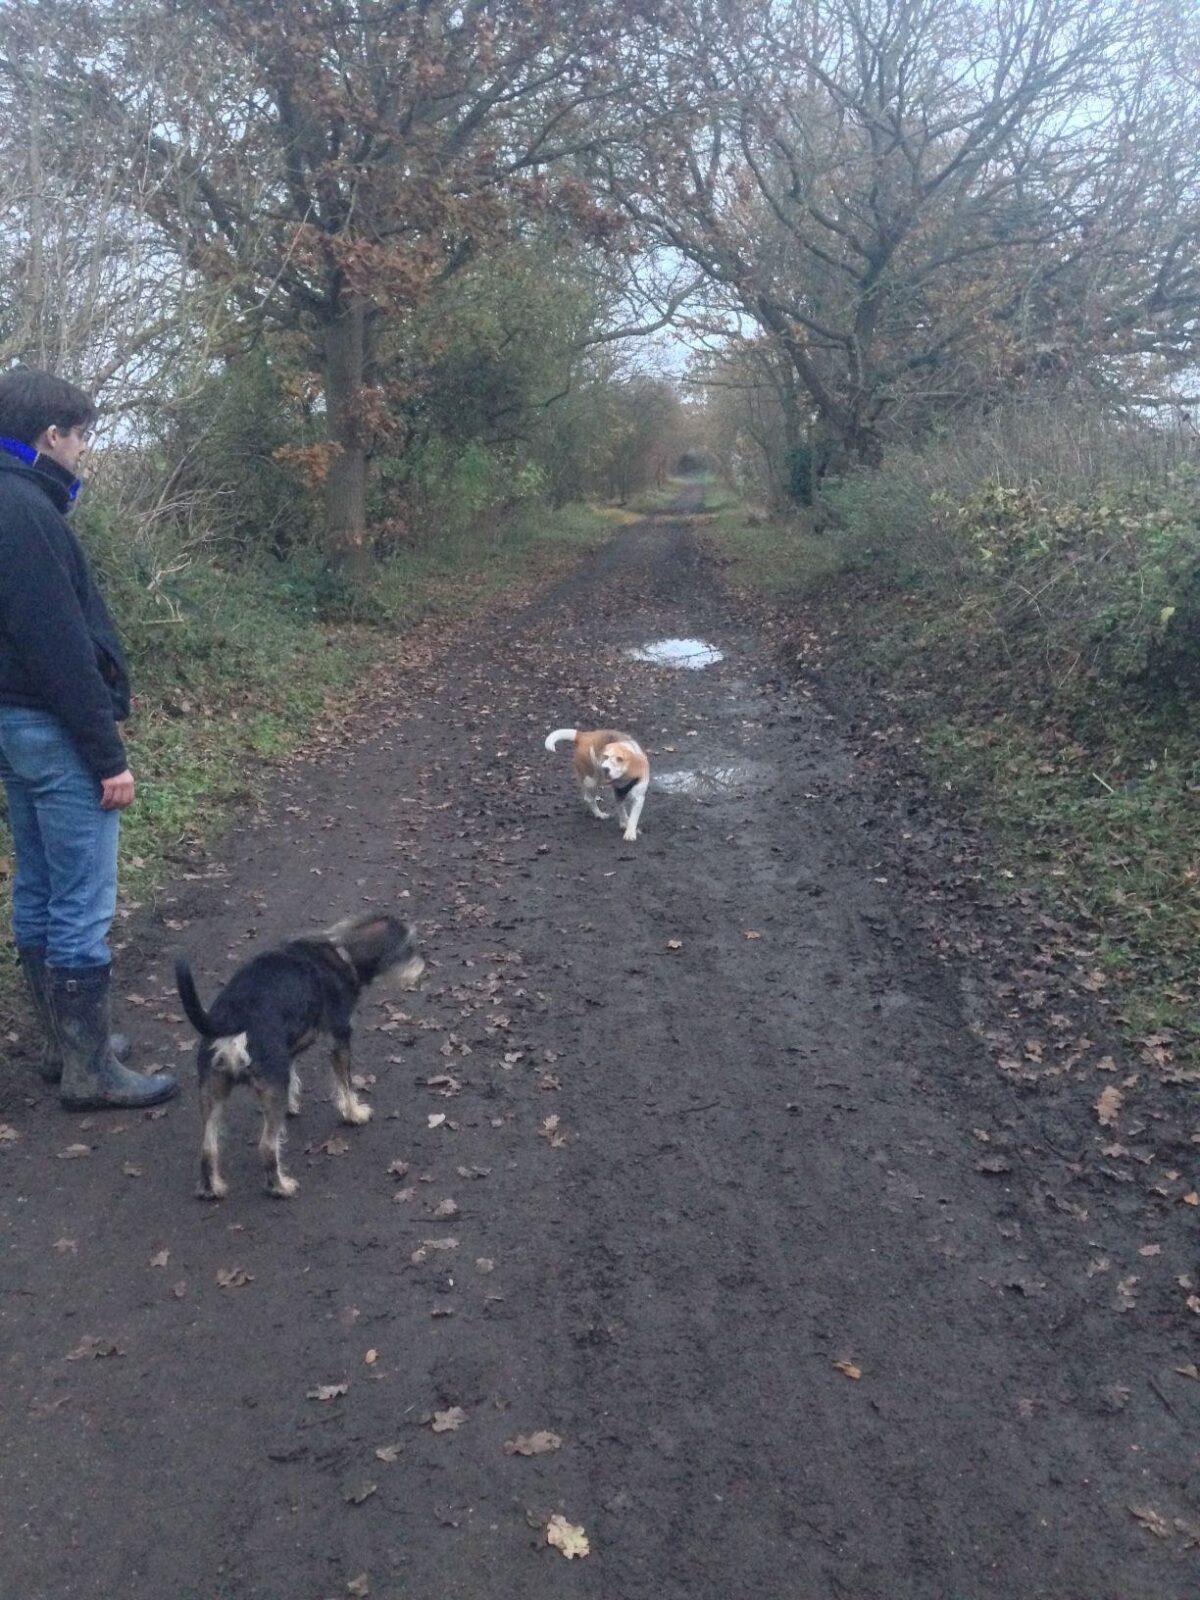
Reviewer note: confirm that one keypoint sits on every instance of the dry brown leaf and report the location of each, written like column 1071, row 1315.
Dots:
column 66, row 1247
column 91, row 1347
column 448, row 1421
column 1191, row 1370
column 437, row 1119
column 674, row 944
column 161, row 1259
column 1127, row 1292
column 233, row 1277
column 355, row 1497
column 551, row 1132
column 532, row 1444
column 1150, row 1250
column 389, row 1452
column 1192, row 1199
column 1151, row 1521
column 445, row 1084
column 359, row 1586
column 335, row 1145
column 446, row 1208
column 371, row 1357
column 750, row 934
column 398, row 1169
column 131, row 1171
column 73, row 1152
column 848, row 1369
column 1108, row 1106
column 8, row 1134
column 179, row 1290
column 328, row 1391
column 567, row 1537
column 484, row 1264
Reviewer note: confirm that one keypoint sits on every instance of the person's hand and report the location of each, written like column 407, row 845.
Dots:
column 116, row 793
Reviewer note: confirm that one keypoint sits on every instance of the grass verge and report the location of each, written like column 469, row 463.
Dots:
column 1088, row 793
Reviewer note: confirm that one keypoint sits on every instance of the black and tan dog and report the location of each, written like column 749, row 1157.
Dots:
column 271, row 1010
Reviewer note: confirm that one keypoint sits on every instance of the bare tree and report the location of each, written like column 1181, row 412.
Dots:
column 918, row 199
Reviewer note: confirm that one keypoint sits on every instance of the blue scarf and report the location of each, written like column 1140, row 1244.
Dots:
column 31, row 457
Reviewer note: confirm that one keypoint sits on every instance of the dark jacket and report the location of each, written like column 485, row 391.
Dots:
column 59, row 650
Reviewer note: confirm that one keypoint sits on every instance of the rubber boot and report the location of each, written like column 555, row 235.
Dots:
column 92, row 1076
column 32, row 958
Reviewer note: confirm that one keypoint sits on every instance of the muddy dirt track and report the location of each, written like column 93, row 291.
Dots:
column 765, row 1162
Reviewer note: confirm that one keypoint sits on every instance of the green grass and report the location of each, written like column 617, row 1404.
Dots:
column 769, row 554
column 1088, row 791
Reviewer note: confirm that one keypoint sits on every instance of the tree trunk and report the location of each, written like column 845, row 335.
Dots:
column 346, row 482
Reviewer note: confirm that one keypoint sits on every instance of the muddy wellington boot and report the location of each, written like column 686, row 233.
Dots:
column 92, row 1076
column 32, row 958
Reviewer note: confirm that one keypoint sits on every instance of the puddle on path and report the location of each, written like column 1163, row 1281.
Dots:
column 715, row 780
column 691, row 653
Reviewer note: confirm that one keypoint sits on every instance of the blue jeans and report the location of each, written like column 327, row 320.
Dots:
column 65, row 884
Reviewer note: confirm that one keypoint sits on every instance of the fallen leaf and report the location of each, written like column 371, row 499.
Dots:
column 750, row 934
column 1108, row 1106
column 335, row 1145
column 551, row 1132
column 484, row 1264
column 532, row 1444
column 1150, row 1250
column 233, row 1277
column 8, row 1134
column 179, row 1290
column 446, row 1208
column 74, row 1151
column 92, row 1347
column 161, row 1259
column 1192, row 1199
column 445, row 1084
column 1127, row 1292
column 994, row 1165
column 1151, row 1521
column 848, row 1369
column 674, row 944
column 131, row 1171
column 437, row 1119
column 66, row 1247
column 398, row 1169
column 360, row 1585
column 1190, row 1371
column 567, row 1537
column 371, row 1357
column 328, row 1391
column 355, row 1497
column 448, row 1421
column 389, row 1452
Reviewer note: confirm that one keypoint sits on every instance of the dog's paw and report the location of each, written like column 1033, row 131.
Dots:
column 630, row 835
column 217, row 1189
column 294, row 1107
column 356, row 1113
column 283, row 1187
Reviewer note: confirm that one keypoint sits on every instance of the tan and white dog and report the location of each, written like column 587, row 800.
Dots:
column 613, row 758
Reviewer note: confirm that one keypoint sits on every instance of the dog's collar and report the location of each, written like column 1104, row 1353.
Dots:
column 622, row 789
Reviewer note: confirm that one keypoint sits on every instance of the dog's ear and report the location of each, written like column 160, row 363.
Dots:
column 375, row 942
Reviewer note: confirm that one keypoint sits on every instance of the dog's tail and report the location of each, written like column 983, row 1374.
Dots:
column 196, row 1013
column 560, row 736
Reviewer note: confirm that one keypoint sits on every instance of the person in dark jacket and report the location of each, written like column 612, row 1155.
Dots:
column 64, row 689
